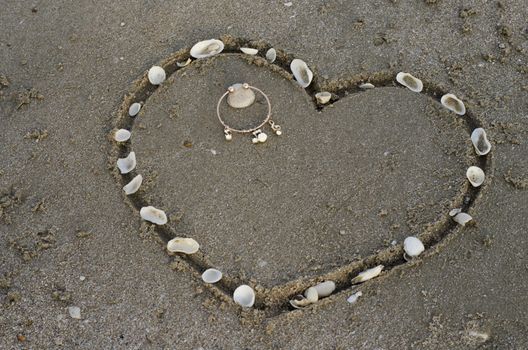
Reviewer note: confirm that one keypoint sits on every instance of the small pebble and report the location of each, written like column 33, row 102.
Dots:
column 75, row 312
column 82, row 278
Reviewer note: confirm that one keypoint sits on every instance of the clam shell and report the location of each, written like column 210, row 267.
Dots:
column 367, row 274
column 475, row 175
column 154, row 215
column 324, row 289
column 462, row 218
column 156, row 75
column 134, row 108
column 127, row 164
column 413, row 246
column 480, row 141
column 354, row 297
column 249, row 51
column 454, row 104
column 412, row 83
column 244, row 296
column 323, row 97
column 183, row 245
column 240, row 97
column 301, row 72
column 366, row 86
column 133, row 185
column 299, row 301
column 271, row 55
column 122, row 135
column 311, row 294
column 207, row 48
column 211, row 276
column 184, row 63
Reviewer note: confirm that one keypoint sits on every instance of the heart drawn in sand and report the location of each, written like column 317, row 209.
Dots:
column 335, row 194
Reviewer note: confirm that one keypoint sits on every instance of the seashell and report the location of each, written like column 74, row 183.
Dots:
column 239, row 96
column 311, row 294
column 211, row 276
column 366, row 86
column 301, row 72
column 133, row 185
column 127, row 164
column 453, row 212
column 323, row 97
column 183, row 245
column 207, row 48
column 462, row 218
column 367, row 274
column 475, row 175
column 184, row 63
column 271, row 55
column 413, row 246
column 153, row 215
column 480, row 141
column 354, row 297
column 156, row 75
column 249, row 51
column 75, row 312
column 299, row 301
column 244, row 296
column 412, row 83
column 452, row 103
column 134, row 108
column 122, row 135
column 324, row 289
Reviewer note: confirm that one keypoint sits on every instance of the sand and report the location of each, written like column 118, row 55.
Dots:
column 324, row 200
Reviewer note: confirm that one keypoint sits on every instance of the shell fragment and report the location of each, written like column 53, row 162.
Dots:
column 207, row 48
column 301, row 72
column 475, row 175
column 413, row 246
column 133, row 185
column 453, row 103
column 480, row 141
column 211, row 276
column 367, row 274
column 412, row 83
column 183, row 245
column 127, row 164
column 244, row 296
column 154, row 215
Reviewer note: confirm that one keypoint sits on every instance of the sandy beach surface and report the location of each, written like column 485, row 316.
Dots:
column 336, row 193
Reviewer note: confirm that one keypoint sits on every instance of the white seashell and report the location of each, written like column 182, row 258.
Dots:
column 366, row 86
column 301, row 72
column 249, row 51
column 480, row 141
column 453, row 212
column 271, row 55
column 153, row 215
column 211, row 276
column 462, row 218
column 452, row 103
column 323, row 97
column 244, row 296
column 324, row 289
column 156, row 75
column 367, row 274
column 134, row 108
column 183, row 64
column 475, row 175
column 413, row 246
column 127, row 164
column 207, row 48
column 240, row 97
column 133, row 185
column 183, row 245
column 300, row 301
column 354, row 297
column 75, row 312
column 412, row 83
column 122, row 135
column 311, row 294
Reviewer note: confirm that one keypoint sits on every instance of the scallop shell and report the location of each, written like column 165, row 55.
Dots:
column 480, row 141
column 323, row 97
column 156, row 216
column 324, row 289
column 127, row 164
column 133, row 185
column 475, row 175
column 454, row 104
column 211, row 276
column 311, row 294
column 156, row 75
column 240, row 97
column 413, row 246
column 207, row 48
column 412, row 83
column 462, row 218
column 301, row 72
column 367, row 274
column 249, row 51
column 244, row 296
column 271, row 55
column 299, row 301
column 134, row 108
column 122, row 135
column 366, row 86
column 184, row 63
column 183, row 245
